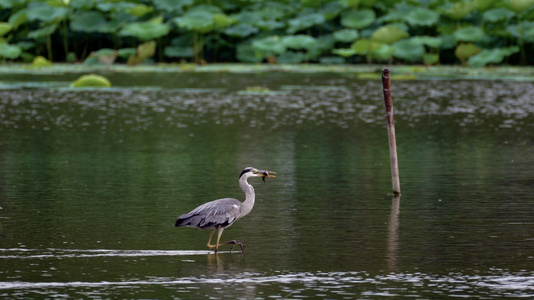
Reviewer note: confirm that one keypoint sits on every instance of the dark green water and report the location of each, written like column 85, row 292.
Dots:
column 91, row 182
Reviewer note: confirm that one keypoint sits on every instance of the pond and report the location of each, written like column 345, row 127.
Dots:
column 92, row 181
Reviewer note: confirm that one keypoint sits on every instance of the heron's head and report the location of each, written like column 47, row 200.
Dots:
column 253, row 172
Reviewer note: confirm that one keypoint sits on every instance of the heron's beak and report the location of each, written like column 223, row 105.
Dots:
column 265, row 173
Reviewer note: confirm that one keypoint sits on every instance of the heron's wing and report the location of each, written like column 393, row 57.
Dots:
column 214, row 214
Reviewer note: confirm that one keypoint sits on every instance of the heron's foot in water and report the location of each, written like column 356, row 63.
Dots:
column 235, row 242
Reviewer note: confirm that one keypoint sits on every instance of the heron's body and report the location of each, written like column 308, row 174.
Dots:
column 220, row 214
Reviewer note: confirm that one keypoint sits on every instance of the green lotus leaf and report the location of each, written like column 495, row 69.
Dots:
column 346, row 35
column 299, row 41
column 519, row 6
column 87, row 21
column 140, row 10
column 9, row 51
column 246, row 53
column 350, row 3
column 495, row 56
column 199, row 21
column 311, row 3
column 105, row 56
column 332, row 60
column 26, row 45
column 358, row 19
column 172, row 6
column 345, row 52
column 178, row 51
column 383, row 52
column 432, row 42
column 40, row 62
column 469, row 34
column 408, row 49
column 369, row 3
column 10, row 3
column 430, row 58
column 389, row 34
column 269, row 46
column 126, row 52
column 241, row 30
column 18, row 18
column 46, row 13
column 366, row 46
column 5, row 28
column 43, row 32
column 464, row 51
column 144, row 51
column 145, row 31
column 222, row 21
column 528, row 31
column 498, row 14
column 291, row 57
column 269, row 24
column 91, row 80
column 421, row 17
column 460, row 10
column 305, row 21
column 331, row 10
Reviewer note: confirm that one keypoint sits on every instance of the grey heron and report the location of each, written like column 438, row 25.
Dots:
column 220, row 214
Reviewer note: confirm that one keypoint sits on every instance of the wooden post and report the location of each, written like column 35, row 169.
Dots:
column 386, row 83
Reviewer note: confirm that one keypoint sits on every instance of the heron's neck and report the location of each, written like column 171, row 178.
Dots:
column 249, row 196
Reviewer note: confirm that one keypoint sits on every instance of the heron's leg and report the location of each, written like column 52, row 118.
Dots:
column 209, row 241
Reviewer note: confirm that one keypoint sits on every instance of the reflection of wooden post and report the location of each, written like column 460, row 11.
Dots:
column 393, row 233
column 386, row 83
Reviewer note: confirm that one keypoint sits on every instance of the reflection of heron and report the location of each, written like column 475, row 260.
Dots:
column 220, row 214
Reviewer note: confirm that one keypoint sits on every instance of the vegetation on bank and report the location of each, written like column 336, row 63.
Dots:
column 467, row 32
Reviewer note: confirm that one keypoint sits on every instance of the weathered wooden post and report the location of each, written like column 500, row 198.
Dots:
column 386, row 83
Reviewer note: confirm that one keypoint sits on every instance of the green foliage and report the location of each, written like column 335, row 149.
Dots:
column 414, row 31
column 91, row 80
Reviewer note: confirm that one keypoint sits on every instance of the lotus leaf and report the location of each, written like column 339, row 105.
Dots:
column 140, row 10
column 311, row 3
column 199, row 21
column 469, row 34
column 43, row 32
column 87, row 21
column 172, row 6
column 430, row 58
column 5, row 28
column 305, row 21
column 299, row 41
column 358, row 19
column 383, row 52
column 105, row 56
column 9, row 51
column 91, row 80
column 350, row 3
column 498, row 14
column 464, row 51
column 26, row 45
column 18, row 18
column 366, row 46
column 10, row 3
column 408, row 49
column 331, row 10
column 269, row 46
column 291, row 57
column 346, row 35
column 344, row 52
column 241, row 30
column 126, row 52
column 422, row 17
column 246, row 53
column 519, row 6
column 269, row 24
column 145, row 31
column 222, row 21
column 178, row 51
column 528, row 31
column 40, row 62
column 389, row 34
column 144, row 51
column 332, row 60
column 495, row 56
column 432, row 42
column 46, row 13
column 460, row 10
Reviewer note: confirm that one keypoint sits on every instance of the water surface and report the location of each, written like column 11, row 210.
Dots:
column 92, row 180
